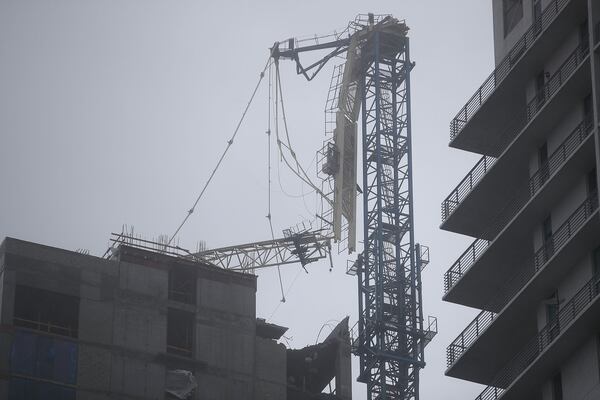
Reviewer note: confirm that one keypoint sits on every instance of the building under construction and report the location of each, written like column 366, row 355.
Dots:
column 147, row 323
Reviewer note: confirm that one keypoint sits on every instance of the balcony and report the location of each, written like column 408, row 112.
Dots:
column 522, row 133
column 487, row 342
column 573, row 157
column 478, row 194
column 538, row 359
column 474, row 127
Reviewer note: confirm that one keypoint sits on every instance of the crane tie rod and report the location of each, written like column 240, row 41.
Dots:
column 229, row 143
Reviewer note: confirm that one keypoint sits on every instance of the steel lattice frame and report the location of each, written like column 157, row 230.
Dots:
column 389, row 284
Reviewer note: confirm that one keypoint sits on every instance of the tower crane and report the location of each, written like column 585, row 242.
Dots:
column 374, row 84
column 370, row 90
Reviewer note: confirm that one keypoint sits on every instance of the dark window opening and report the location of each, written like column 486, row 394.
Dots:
column 182, row 285
column 596, row 271
column 46, row 311
column 596, row 261
column 537, row 16
column 540, row 93
column 180, row 332
column 547, row 237
column 26, row 389
column 557, row 392
column 543, row 163
column 552, row 308
column 513, row 13
column 584, row 35
column 592, row 182
column 587, row 110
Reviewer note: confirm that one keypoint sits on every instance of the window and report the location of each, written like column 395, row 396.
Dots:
column 46, row 311
column 557, row 392
column 543, row 163
column 592, row 182
column 587, row 110
column 180, row 332
column 537, row 16
column 584, row 35
column 513, row 13
column 182, row 284
column 547, row 237
column 25, row 389
column 540, row 82
column 552, row 308
column 596, row 261
column 596, row 271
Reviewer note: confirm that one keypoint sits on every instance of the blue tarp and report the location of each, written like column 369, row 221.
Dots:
column 44, row 357
column 25, row 389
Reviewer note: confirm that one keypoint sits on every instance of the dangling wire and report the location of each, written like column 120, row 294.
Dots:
column 229, row 143
column 269, row 215
column 298, row 170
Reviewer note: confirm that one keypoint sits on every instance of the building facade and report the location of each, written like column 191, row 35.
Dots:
column 531, row 205
column 145, row 324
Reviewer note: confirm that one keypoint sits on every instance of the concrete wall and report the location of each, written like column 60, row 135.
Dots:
column 580, row 374
column 270, row 370
column 502, row 44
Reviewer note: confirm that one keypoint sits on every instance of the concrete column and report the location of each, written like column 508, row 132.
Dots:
column 343, row 371
column 593, row 19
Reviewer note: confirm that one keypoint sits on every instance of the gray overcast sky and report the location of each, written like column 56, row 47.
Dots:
column 115, row 112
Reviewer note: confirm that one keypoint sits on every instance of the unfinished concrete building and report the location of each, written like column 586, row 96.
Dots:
column 531, row 202
column 145, row 324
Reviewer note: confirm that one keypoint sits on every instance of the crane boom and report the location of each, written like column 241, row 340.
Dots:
column 303, row 248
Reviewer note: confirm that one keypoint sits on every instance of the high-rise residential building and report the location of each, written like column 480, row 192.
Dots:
column 531, row 205
column 145, row 323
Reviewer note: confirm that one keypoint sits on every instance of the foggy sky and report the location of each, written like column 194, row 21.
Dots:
column 115, row 112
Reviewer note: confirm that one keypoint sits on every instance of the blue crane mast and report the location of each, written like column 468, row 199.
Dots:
column 376, row 86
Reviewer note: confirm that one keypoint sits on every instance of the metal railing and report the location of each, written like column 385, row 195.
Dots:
column 468, row 336
column 44, row 326
column 556, row 160
column 474, row 176
column 566, row 70
column 505, row 66
column 465, row 186
column 544, row 338
column 524, row 275
column 565, row 231
column 464, row 263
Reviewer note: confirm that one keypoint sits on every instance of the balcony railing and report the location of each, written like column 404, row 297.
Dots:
column 556, row 160
column 468, row 336
column 505, row 66
column 535, row 263
column 568, row 67
column 465, row 186
column 540, row 342
column 464, row 263
column 566, row 70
